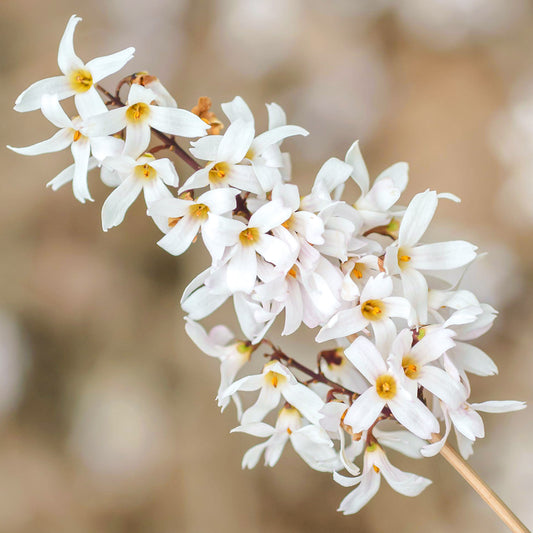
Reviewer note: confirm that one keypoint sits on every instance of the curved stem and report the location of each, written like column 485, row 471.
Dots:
column 487, row 494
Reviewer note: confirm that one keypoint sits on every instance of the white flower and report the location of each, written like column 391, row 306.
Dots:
column 188, row 216
column 146, row 174
column 414, row 362
column 276, row 381
column 73, row 134
column 138, row 116
column 406, row 258
column 78, row 78
column 386, row 389
column 376, row 307
column 375, row 464
column 233, row 355
column 310, row 442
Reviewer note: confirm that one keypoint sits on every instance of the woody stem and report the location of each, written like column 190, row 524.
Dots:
column 487, row 494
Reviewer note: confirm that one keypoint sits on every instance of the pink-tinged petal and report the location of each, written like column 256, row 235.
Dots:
column 361, row 495
column 442, row 385
column 30, row 99
column 177, row 122
column 206, row 148
column 236, row 141
column 219, row 201
column 256, row 429
column 81, row 150
column 468, row 422
column 242, row 269
column 414, row 416
column 442, row 255
column 52, row 110
column 180, row 237
column 59, row 141
column 364, row 411
column 166, row 171
column 384, row 333
column 415, row 289
column 274, row 136
column 269, row 216
column 274, row 251
column 102, row 67
column 268, row 399
column 66, row 57
column 359, row 173
column 344, row 323
column 243, row 177
column 417, row 217
column 472, row 359
column 137, row 139
column 106, row 123
column 305, row 400
column 366, row 358
column 118, row 202
column 495, row 406
column 252, row 456
column 377, row 288
column 89, row 104
column 403, row 482
column 237, row 109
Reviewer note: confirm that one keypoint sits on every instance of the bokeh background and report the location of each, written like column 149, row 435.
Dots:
column 107, row 415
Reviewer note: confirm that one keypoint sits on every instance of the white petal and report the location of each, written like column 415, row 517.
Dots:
column 242, row 269
column 403, row 482
column 137, row 139
column 472, row 359
column 268, row 399
column 377, row 287
column 200, row 337
column 89, row 104
column 202, row 302
column 274, row 250
column 107, row 123
column 342, row 324
column 30, row 99
column 63, row 177
column 140, row 94
column 170, row 207
column 52, row 110
column 236, row 141
column 468, row 422
column 219, row 201
column 333, row 173
column 305, row 400
column 237, row 109
column 398, row 174
column 401, row 440
column 179, row 238
column 442, row 255
column 359, row 173
column 66, row 57
column 494, row 406
column 414, row 415
column 206, row 148
column 257, row 429
column 276, row 116
column 103, row 147
column 252, row 456
column 415, row 289
column 274, row 136
column 197, row 180
column 269, row 216
column 275, row 448
column 361, row 495
column 166, row 171
column 364, row 411
column 396, row 306
column 81, row 151
column 59, row 141
column 118, row 202
column 384, row 334
column 101, row 67
column 313, row 445
column 243, row 177
column 442, row 385
column 417, row 217
column 433, row 345
column 366, row 358
column 177, row 122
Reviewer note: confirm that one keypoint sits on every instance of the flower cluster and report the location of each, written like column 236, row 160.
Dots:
column 354, row 264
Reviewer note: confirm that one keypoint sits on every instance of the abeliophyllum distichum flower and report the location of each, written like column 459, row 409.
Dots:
column 344, row 258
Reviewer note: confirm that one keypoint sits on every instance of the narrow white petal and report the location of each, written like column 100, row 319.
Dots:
column 243, row 177
column 472, row 359
column 66, row 57
column 118, row 202
column 81, row 151
column 397, row 306
column 166, row 171
column 63, row 177
column 442, row 385
column 305, row 400
column 274, row 251
column 197, row 180
column 242, row 269
column 52, row 110
column 252, row 456
column 237, row 109
column 59, row 141
column 415, row 289
column 217, row 233
column 268, row 399
column 377, row 288
column 384, row 333
column 401, row 440
column 364, row 411
column 276, row 116
column 103, row 147
column 89, row 104
column 206, row 148
column 236, row 141
column 180, row 237
column 414, row 416
column 442, row 255
column 433, row 345
column 361, row 495
column 397, row 174
column 137, row 139
column 30, row 99
column 219, row 201
column 495, row 406
column 274, row 136
column 333, row 173
column 101, row 67
column 342, row 324
column 170, row 207
column 257, row 429
column 107, row 123
column 417, row 217
column 177, row 122
column 269, row 216
column 366, row 358
column 403, row 482
column 468, row 422
column 275, row 448
column 359, row 173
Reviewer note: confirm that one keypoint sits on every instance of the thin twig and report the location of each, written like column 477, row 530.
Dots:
column 487, row 494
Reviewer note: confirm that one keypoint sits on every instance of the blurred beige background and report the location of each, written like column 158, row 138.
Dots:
column 108, row 419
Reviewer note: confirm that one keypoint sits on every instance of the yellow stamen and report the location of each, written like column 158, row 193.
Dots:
column 145, row 172
column 219, row 172
column 289, row 222
column 81, row 80
column 137, row 112
column 275, row 379
column 249, row 236
column 292, row 272
column 373, row 309
column 77, row 136
column 376, row 469
column 410, row 367
column 199, row 211
column 386, row 387
column 172, row 221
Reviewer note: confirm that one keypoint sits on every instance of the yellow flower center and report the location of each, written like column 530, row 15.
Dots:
column 275, row 379
column 250, row 154
column 199, row 211
column 81, row 80
column 289, row 222
column 137, row 112
column 386, row 387
column 249, row 236
column 403, row 257
column 357, row 271
column 145, row 172
column 373, row 309
column 410, row 367
column 219, row 172
column 292, row 272
column 77, row 136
